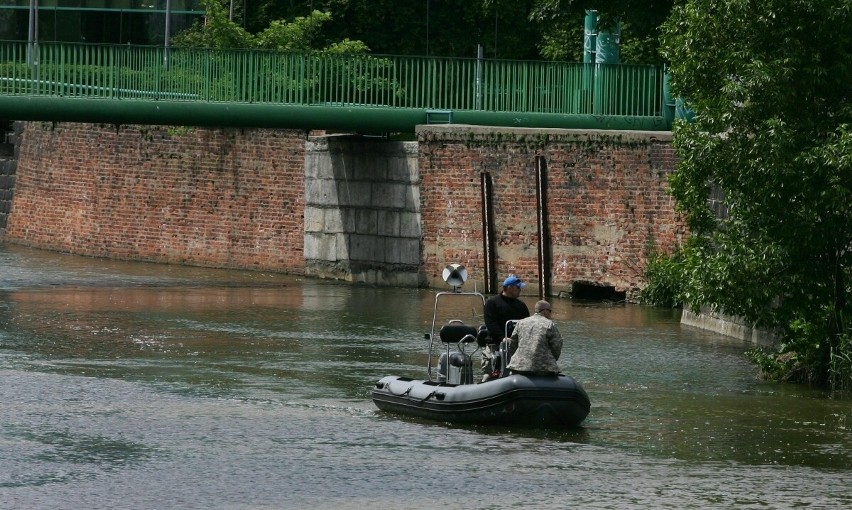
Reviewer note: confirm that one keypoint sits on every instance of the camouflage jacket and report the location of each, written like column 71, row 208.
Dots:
column 535, row 345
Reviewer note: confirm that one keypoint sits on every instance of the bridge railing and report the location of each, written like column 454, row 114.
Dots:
column 254, row 76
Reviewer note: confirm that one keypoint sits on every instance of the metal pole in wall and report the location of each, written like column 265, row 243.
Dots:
column 489, row 262
column 543, row 231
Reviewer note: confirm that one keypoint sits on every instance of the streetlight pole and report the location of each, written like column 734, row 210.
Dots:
column 168, row 33
column 32, row 31
column 427, row 28
column 168, row 23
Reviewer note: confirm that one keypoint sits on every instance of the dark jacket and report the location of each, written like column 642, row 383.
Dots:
column 498, row 310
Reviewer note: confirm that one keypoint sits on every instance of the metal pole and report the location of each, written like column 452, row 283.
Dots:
column 31, row 31
column 479, row 56
column 543, row 230
column 168, row 33
column 489, row 262
column 427, row 28
column 590, row 34
column 495, row 32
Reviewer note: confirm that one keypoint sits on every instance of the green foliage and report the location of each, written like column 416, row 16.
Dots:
column 563, row 22
column 216, row 31
column 347, row 47
column 773, row 129
column 506, row 29
column 801, row 357
column 786, row 366
column 300, row 35
column 840, row 362
column 561, row 43
column 449, row 29
column 664, row 282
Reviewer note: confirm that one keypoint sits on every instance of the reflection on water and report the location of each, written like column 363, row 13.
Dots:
column 128, row 385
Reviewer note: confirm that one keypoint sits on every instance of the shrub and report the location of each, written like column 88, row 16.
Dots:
column 663, row 281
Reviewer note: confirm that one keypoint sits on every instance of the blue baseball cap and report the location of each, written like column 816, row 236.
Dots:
column 513, row 280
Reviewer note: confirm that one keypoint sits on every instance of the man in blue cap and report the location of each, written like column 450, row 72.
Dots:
column 498, row 310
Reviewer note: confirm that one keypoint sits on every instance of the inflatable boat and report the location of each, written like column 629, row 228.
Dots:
column 449, row 393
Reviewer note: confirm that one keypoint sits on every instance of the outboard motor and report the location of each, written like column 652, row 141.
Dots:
column 456, row 367
column 460, row 369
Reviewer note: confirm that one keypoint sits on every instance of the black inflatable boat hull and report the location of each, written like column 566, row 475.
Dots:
column 530, row 401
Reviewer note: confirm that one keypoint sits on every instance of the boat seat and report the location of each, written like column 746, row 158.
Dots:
column 483, row 337
column 455, row 333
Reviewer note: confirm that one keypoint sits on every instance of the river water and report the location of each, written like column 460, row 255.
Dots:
column 144, row 386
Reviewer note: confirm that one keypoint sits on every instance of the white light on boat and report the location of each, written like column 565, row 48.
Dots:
column 455, row 275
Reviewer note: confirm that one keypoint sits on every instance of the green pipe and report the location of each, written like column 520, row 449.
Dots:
column 560, row 121
column 363, row 119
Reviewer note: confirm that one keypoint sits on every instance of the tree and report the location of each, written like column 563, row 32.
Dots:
column 302, row 34
column 445, row 28
column 215, row 31
column 505, row 29
column 639, row 21
column 770, row 83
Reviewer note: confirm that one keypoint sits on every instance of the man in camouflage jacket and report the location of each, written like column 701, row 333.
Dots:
column 536, row 343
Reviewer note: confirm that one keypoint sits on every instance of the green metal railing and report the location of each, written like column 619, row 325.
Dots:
column 119, row 72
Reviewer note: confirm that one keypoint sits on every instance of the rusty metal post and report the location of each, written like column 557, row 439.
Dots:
column 544, row 246
column 488, row 250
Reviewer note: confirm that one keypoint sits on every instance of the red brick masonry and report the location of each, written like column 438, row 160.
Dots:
column 607, row 201
column 221, row 198
column 235, row 198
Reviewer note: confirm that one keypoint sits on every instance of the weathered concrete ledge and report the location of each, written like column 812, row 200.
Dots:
column 728, row 325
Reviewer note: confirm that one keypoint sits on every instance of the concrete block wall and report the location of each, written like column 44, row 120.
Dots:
column 9, row 137
column 362, row 210
column 208, row 197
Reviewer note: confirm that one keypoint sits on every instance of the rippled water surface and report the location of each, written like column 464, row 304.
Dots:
column 143, row 386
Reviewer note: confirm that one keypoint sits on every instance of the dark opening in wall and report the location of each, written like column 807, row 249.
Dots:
column 7, row 147
column 595, row 291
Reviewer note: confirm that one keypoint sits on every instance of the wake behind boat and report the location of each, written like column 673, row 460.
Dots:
column 450, row 394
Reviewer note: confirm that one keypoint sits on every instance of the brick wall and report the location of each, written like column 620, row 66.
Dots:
column 208, row 197
column 237, row 198
column 606, row 197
